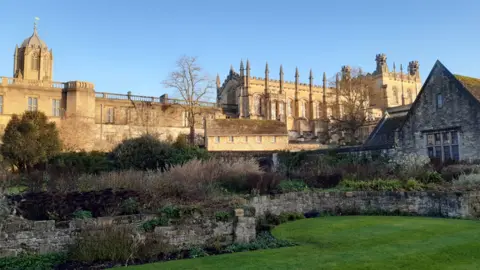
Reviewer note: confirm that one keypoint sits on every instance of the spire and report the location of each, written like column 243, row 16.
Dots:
column 401, row 78
column 231, row 69
column 296, row 73
column 311, row 75
column 218, row 81
column 248, row 68
column 281, row 71
column 324, row 78
column 394, row 67
column 266, row 68
column 242, row 69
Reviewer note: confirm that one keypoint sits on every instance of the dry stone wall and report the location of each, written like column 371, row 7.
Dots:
column 450, row 204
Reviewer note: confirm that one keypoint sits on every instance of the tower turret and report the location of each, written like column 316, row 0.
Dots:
column 382, row 66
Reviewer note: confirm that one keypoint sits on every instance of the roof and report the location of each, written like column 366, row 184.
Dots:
column 34, row 41
column 384, row 133
column 471, row 84
column 235, row 127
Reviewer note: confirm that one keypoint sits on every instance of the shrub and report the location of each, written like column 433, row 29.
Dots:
column 197, row 252
column 170, row 211
column 82, row 214
column 428, row 177
column 467, row 181
column 374, row 185
column 409, row 165
column 81, row 162
column 324, row 181
column 149, row 226
column 413, row 185
column 222, row 216
column 267, row 222
column 291, row 186
column 285, row 217
column 33, row 262
column 108, row 244
column 30, row 140
column 130, row 206
column 454, row 171
column 143, row 153
column 264, row 240
column 264, row 183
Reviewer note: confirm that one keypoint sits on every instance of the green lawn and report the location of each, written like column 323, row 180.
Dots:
column 357, row 242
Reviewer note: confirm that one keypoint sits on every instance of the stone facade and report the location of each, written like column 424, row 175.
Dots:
column 47, row 236
column 444, row 120
column 458, row 205
column 106, row 118
column 307, row 107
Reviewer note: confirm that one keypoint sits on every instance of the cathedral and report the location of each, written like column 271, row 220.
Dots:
column 307, row 108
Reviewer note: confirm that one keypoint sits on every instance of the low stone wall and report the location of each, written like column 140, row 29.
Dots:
column 452, row 204
column 46, row 236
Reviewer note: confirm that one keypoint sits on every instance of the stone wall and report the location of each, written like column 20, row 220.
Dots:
column 46, row 236
column 453, row 204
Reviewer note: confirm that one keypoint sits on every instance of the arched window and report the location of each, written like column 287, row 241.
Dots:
column 395, row 95
column 317, row 110
column 280, row 111
column 410, row 95
column 273, row 110
column 303, row 108
column 289, row 107
column 35, row 62
column 329, row 112
column 258, row 105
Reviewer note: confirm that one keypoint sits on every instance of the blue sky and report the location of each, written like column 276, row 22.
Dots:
column 127, row 45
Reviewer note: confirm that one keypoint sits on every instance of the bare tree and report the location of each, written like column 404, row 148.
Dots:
column 193, row 85
column 143, row 112
column 76, row 132
column 352, row 90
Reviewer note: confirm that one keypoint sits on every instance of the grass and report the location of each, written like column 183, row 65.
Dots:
column 357, row 242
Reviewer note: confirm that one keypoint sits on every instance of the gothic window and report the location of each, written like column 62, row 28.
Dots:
column 303, row 108
column 217, row 139
column 280, row 111
column 274, row 110
column 439, row 101
column 395, row 95
column 32, row 104
column 35, row 62
column 1, row 104
column 259, row 139
column 317, row 110
column 410, row 95
column 329, row 112
column 258, row 105
column 274, row 139
column 289, row 107
column 443, row 145
column 110, row 115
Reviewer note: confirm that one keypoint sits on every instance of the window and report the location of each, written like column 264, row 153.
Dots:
column 317, row 110
column 35, row 62
column 303, row 108
column 395, row 95
column 258, row 105
column 185, row 118
column 274, row 139
column 230, row 139
column 439, row 101
column 443, row 145
column 280, row 111
column 274, row 110
column 1, row 104
column 289, row 107
column 110, row 115
column 56, row 107
column 32, row 104
column 259, row 139
column 217, row 139
column 410, row 95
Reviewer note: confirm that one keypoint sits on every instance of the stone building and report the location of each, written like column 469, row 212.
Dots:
column 442, row 123
column 98, row 119
column 306, row 108
column 245, row 135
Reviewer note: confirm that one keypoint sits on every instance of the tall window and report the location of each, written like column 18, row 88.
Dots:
column 56, row 107
column 410, row 95
column 35, row 62
column 274, row 139
column 329, row 112
column 395, row 95
column 1, row 104
column 259, row 139
column 303, row 109
column 289, row 107
column 443, row 145
column 258, row 105
column 280, row 111
column 185, row 118
column 230, row 139
column 217, row 139
column 32, row 104
column 110, row 115
column 439, row 101
column 274, row 110
column 317, row 110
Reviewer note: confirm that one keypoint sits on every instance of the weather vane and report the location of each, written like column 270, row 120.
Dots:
column 35, row 23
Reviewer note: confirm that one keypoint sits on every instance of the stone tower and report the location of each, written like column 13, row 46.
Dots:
column 33, row 60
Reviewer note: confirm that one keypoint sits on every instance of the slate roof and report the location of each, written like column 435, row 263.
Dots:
column 235, row 127
column 471, row 84
column 384, row 133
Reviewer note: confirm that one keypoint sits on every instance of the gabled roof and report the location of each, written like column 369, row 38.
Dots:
column 471, row 84
column 236, row 127
column 384, row 133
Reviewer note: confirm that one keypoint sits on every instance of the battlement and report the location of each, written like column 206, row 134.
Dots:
column 160, row 100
